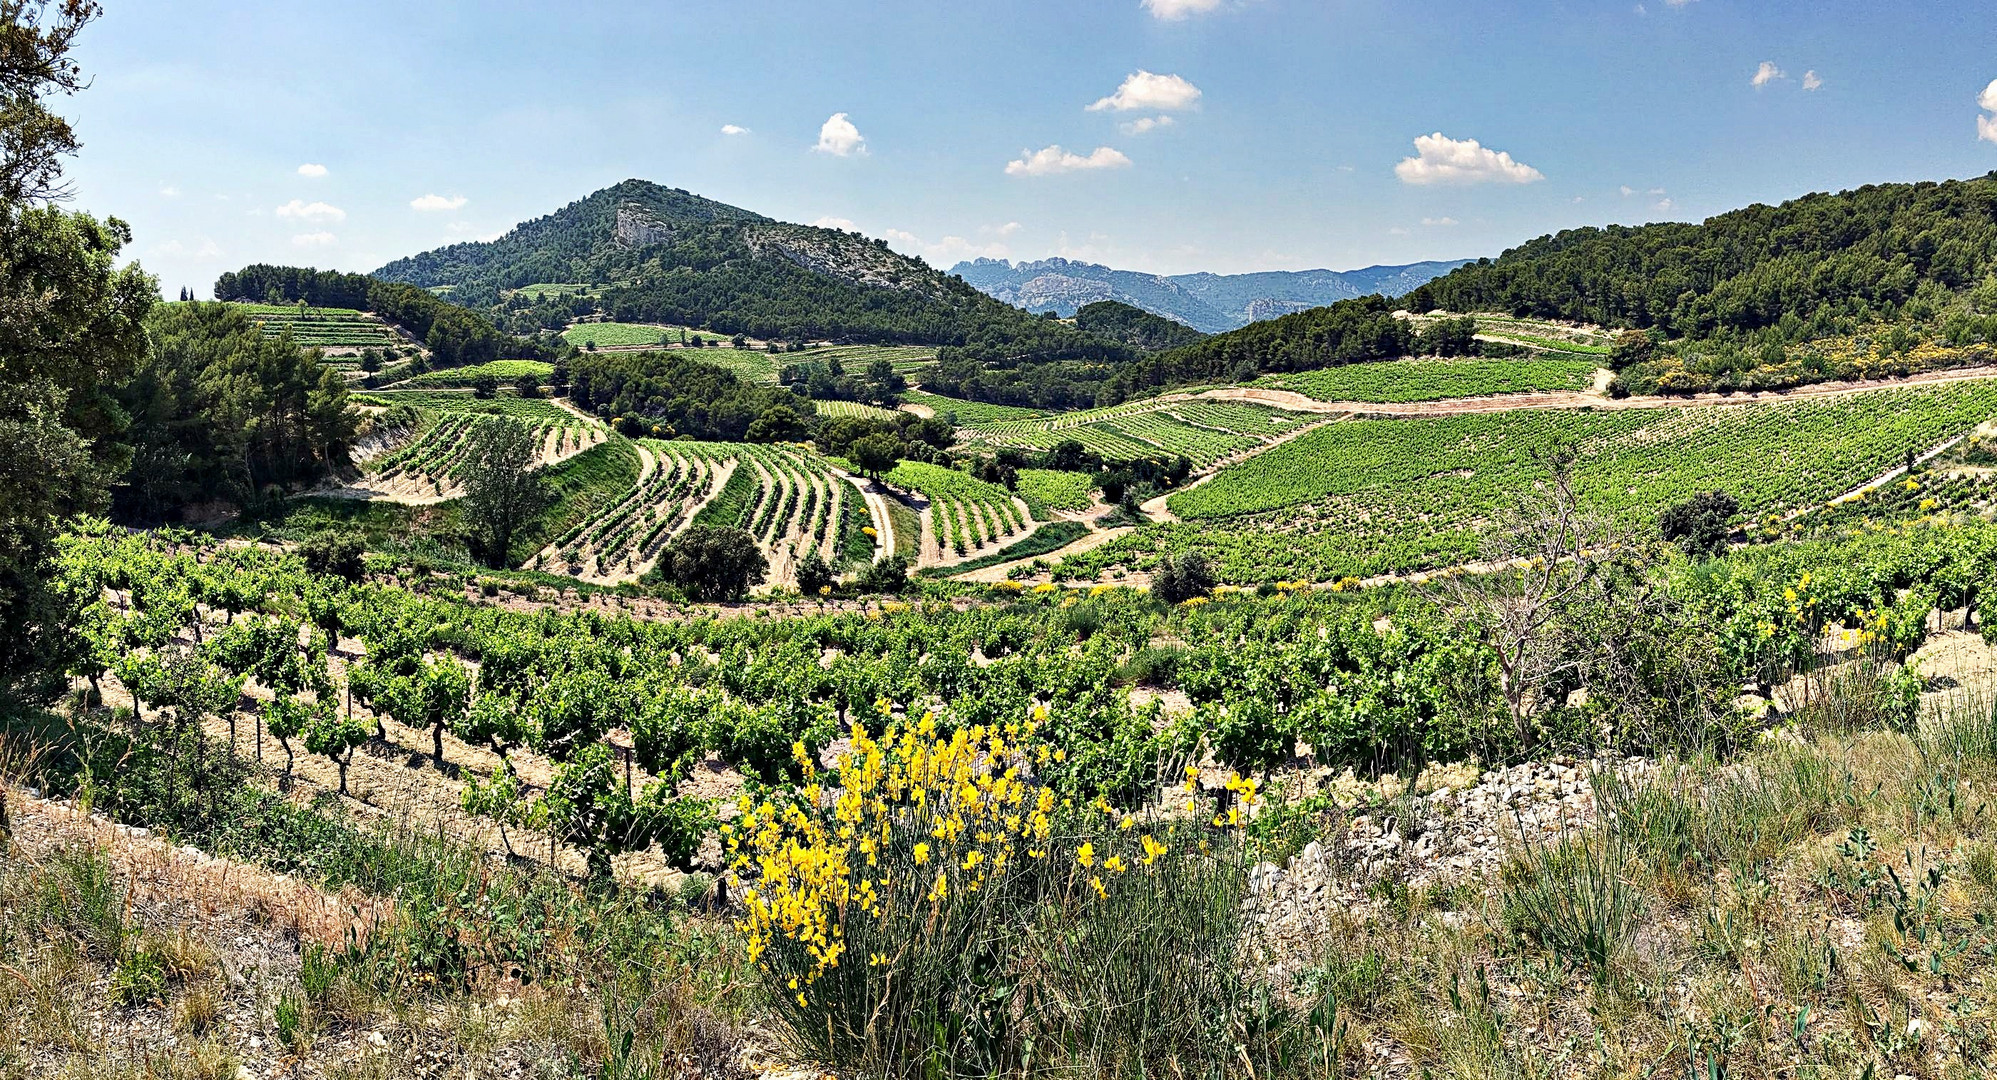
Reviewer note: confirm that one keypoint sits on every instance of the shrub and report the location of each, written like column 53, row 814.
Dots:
column 1181, row 578
column 813, row 574
column 1701, row 524
column 338, row 553
column 977, row 927
column 1569, row 897
column 889, row 575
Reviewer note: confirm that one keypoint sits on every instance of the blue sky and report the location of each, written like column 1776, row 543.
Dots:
column 1226, row 135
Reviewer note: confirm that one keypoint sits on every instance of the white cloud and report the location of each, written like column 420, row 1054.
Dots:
column 1766, row 73
column 944, row 252
column 1157, row 93
column 842, row 224
column 1053, row 160
column 313, row 211
column 1146, row 123
column 1175, row 10
column 1440, row 159
column 169, row 192
column 1665, row 204
column 317, row 239
column 840, row 138
column 309, row 169
column 1812, row 80
column 207, row 250
column 1006, row 229
column 1628, row 191
column 1988, row 99
column 734, row 129
column 430, row 204
column 1397, row 231
column 1986, row 128
column 1439, row 222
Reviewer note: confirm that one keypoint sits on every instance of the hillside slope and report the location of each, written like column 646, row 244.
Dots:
column 1211, row 303
column 659, row 254
column 1808, row 266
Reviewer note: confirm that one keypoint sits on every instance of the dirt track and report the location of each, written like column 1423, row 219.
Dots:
column 1574, row 399
column 991, row 575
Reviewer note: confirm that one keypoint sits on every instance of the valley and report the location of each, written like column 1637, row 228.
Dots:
column 641, row 637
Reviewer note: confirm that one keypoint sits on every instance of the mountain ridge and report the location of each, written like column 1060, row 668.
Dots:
column 1208, row 302
column 660, row 254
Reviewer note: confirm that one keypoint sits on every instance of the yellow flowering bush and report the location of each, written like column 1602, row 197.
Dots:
column 887, row 899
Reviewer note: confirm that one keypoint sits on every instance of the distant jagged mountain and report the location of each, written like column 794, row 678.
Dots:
column 1211, row 303
column 658, row 254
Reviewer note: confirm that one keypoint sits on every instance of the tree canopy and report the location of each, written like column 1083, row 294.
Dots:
column 678, row 394
column 219, row 410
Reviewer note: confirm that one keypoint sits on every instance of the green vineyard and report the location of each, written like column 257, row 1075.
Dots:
column 1392, row 496
column 791, row 500
column 431, row 464
column 612, row 335
column 966, row 515
column 505, row 372
column 969, row 412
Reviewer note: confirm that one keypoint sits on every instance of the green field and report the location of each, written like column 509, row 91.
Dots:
column 505, row 371
column 855, row 358
column 1204, row 431
column 325, row 328
column 1386, row 496
column 1403, row 381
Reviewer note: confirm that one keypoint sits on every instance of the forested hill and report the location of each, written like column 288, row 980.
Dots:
column 1134, row 326
column 1815, row 266
column 656, row 254
column 587, row 241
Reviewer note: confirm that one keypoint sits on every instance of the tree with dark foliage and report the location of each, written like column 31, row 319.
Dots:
column 70, row 321
column 1701, row 524
column 712, row 564
column 1180, row 578
column 503, row 490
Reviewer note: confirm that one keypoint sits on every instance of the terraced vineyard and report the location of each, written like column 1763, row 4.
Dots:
column 623, row 541
column 614, row 335
column 855, row 358
column 504, row 371
column 1048, row 490
column 792, row 500
column 429, row 467
column 323, row 328
column 853, row 408
column 1203, row 431
column 966, row 516
column 1392, row 496
column 1402, row 381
